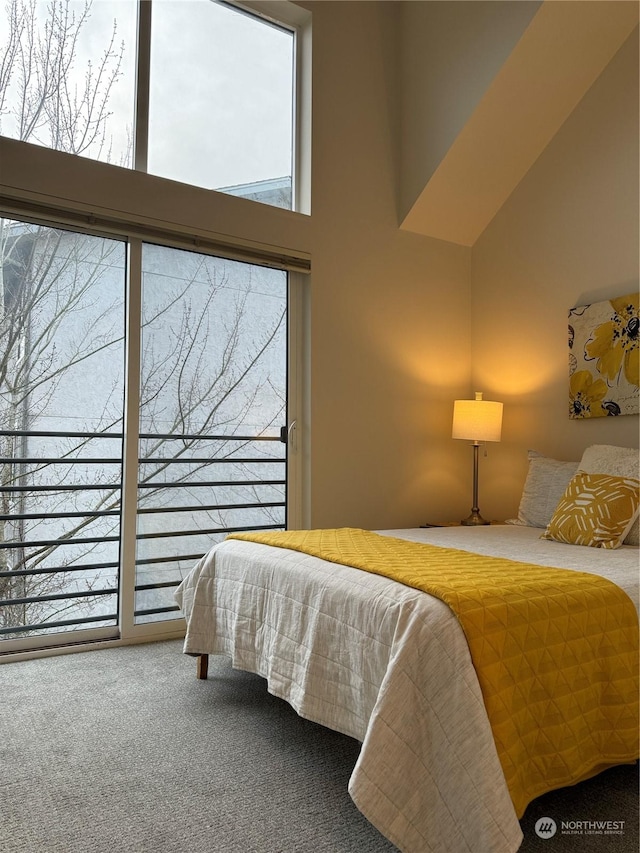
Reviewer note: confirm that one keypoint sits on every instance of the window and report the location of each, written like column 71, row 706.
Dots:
column 67, row 76
column 61, row 329
column 201, row 359
column 213, row 400
column 197, row 91
column 220, row 100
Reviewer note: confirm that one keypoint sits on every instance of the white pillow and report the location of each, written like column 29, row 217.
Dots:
column 546, row 482
column 617, row 462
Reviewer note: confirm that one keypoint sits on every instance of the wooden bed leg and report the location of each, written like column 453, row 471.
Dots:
column 202, row 666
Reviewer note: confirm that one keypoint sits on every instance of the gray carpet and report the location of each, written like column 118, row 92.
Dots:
column 124, row 751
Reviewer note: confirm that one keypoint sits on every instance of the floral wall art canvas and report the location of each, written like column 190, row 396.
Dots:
column 603, row 358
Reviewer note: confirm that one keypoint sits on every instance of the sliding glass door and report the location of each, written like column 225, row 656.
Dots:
column 143, row 403
column 61, row 408
column 213, row 401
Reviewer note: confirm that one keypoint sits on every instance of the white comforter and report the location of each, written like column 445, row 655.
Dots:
column 383, row 663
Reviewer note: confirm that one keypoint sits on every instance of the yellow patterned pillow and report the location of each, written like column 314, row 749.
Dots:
column 596, row 510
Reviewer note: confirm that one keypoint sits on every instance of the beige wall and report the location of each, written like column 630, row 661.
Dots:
column 567, row 236
column 390, row 328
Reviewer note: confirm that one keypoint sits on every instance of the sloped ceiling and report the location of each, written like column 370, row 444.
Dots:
column 560, row 54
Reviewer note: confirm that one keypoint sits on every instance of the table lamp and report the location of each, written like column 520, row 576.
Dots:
column 476, row 420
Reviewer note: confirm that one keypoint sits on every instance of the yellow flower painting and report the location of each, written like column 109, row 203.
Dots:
column 604, row 358
column 586, row 395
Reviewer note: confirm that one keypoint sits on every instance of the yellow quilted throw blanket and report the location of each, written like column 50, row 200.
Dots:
column 556, row 651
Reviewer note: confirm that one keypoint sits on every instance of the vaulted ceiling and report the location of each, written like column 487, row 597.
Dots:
column 559, row 55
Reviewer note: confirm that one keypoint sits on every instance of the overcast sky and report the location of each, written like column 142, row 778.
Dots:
column 221, row 89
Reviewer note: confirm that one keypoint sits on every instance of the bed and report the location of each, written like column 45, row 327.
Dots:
column 387, row 664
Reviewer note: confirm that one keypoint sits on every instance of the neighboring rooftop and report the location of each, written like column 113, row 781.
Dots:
column 273, row 191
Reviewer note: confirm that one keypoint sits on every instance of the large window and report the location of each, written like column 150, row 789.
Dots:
column 180, row 402
column 197, row 91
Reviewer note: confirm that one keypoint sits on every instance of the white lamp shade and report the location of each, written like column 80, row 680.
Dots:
column 477, row 420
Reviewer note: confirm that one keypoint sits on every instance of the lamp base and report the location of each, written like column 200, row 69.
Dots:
column 474, row 519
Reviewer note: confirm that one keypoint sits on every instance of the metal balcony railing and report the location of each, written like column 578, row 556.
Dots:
column 60, row 566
